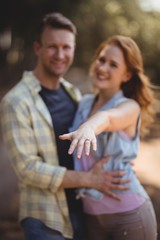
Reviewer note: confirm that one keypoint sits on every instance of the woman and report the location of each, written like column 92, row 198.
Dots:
column 116, row 114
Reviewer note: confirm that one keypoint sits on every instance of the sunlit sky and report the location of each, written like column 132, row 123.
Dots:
column 150, row 4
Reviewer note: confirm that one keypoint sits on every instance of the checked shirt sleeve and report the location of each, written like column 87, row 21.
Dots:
column 23, row 149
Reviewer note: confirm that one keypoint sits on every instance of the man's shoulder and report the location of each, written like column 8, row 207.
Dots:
column 72, row 90
column 14, row 92
column 18, row 93
column 68, row 84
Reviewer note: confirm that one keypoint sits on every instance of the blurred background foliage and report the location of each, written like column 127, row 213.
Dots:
column 95, row 21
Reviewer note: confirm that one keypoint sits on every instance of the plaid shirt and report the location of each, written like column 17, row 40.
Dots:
column 28, row 134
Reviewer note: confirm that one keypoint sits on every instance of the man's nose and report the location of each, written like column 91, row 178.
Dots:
column 60, row 53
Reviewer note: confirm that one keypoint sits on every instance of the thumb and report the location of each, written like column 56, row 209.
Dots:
column 67, row 136
column 103, row 160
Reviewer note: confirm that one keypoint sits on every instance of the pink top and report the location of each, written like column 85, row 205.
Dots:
column 108, row 205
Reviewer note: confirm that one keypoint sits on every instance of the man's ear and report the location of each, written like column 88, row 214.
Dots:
column 36, row 47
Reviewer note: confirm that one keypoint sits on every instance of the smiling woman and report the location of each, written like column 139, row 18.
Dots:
column 122, row 100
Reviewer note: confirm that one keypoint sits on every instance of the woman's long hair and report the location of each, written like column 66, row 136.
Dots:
column 138, row 87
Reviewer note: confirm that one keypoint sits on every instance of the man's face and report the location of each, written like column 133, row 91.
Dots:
column 56, row 51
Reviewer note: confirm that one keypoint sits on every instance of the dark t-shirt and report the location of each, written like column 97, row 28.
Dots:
column 62, row 109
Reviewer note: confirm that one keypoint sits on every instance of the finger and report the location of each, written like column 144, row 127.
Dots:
column 80, row 147
column 87, row 146
column 112, row 195
column 94, row 144
column 67, row 136
column 119, row 173
column 73, row 146
column 102, row 161
column 119, row 187
column 121, row 180
column 132, row 163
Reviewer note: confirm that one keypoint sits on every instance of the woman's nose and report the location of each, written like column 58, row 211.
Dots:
column 104, row 67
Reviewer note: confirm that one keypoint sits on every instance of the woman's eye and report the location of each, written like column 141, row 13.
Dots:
column 102, row 60
column 114, row 65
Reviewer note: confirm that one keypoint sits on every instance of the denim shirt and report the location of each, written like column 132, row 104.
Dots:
column 117, row 145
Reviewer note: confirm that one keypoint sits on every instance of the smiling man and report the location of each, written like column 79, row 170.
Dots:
column 33, row 115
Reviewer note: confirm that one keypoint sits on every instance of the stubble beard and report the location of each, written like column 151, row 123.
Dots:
column 51, row 73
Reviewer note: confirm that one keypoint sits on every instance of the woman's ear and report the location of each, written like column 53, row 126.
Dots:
column 128, row 76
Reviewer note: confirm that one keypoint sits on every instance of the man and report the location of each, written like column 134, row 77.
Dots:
column 33, row 115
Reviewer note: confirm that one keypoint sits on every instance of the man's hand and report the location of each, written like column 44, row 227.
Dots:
column 98, row 178
column 107, row 181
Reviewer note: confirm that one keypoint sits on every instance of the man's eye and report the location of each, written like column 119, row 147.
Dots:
column 51, row 47
column 67, row 47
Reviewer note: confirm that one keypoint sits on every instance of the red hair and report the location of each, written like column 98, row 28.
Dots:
column 138, row 87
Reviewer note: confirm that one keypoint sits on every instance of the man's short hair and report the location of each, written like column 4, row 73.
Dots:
column 55, row 20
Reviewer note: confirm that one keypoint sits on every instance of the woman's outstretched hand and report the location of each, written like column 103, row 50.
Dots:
column 83, row 138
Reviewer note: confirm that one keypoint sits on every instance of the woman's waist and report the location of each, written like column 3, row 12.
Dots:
column 107, row 205
column 112, row 164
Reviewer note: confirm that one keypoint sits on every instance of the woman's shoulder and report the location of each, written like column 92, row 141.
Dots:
column 130, row 102
column 87, row 98
column 124, row 99
column 86, row 102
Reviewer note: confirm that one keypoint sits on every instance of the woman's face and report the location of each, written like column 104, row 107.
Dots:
column 110, row 69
